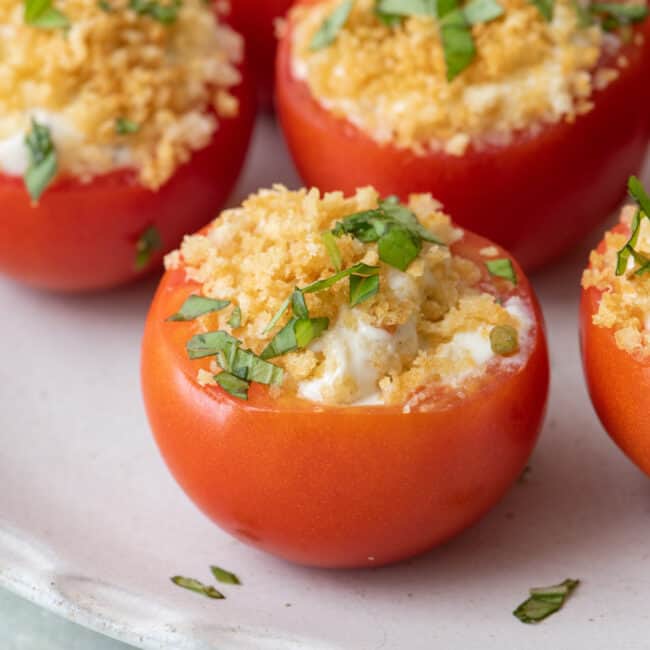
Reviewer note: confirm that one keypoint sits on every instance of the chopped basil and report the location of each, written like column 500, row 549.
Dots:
column 331, row 26
column 43, row 162
column 197, row 586
column 163, row 13
column 482, row 11
column 149, row 242
column 41, row 14
column 104, row 5
column 208, row 344
column 406, row 8
column 277, row 316
column 545, row 601
column 196, row 306
column 545, row 7
column 224, row 576
column 357, row 269
column 298, row 305
column 502, row 268
column 235, row 318
column 246, row 365
column 614, row 14
column 393, row 226
column 332, row 250
column 457, row 43
column 297, row 333
column 362, row 289
column 638, row 193
column 125, row 127
column 504, row 340
column 234, row 385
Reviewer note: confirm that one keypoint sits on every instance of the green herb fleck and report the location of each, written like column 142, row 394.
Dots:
column 545, row 7
column 502, row 268
column 104, row 5
column 41, row 14
column 234, row 385
column 504, row 340
column 125, row 127
column 482, row 11
column 362, row 288
column 400, row 8
column 163, row 13
column 457, row 43
column 221, row 575
column 545, row 601
column 357, row 269
column 208, row 344
column 332, row 250
column 43, row 162
column 614, row 15
column 196, row 306
column 298, row 305
column 235, row 318
column 297, row 333
column 640, row 196
column 149, row 242
column 197, row 586
column 331, row 26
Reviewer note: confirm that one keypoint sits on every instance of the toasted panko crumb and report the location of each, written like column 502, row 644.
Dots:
column 256, row 255
column 625, row 303
column 391, row 81
column 172, row 80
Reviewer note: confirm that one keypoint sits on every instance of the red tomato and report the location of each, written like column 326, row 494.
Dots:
column 83, row 236
column 255, row 19
column 618, row 382
column 536, row 196
column 334, row 486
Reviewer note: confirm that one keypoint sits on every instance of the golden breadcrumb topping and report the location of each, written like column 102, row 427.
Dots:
column 419, row 328
column 625, row 303
column 171, row 80
column 391, row 81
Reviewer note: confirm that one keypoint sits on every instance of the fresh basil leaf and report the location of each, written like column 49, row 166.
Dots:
column 367, row 226
column 406, row 217
column 457, row 43
column 623, row 255
column 235, row 318
column 234, row 385
column 362, row 289
column 277, row 316
column 406, row 7
column 43, row 161
column 638, row 193
column 545, row 7
column 545, row 601
column 502, row 268
column 331, row 26
column 298, row 305
column 399, row 247
column 125, row 127
column 148, row 243
column 326, row 283
column 332, row 250
column 209, row 343
column 41, row 14
column 284, row 341
column 163, row 13
column 482, row 11
column 620, row 14
column 308, row 329
column 221, row 575
column 197, row 586
column 246, row 365
column 196, row 306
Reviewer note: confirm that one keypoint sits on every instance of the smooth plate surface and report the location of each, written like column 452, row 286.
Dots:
column 92, row 525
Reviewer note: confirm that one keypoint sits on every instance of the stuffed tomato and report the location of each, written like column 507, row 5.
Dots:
column 122, row 127
column 615, row 329
column 524, row 119
column 343, row 382
column 256, row 20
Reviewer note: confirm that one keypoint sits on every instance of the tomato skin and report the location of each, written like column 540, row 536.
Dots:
column 336, row 487
column 255, row 19
column 618, row 382
column 82, row 236
column 536, row 197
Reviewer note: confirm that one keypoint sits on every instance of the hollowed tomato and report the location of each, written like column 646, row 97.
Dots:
column 536, row 196
column 341, row 486
column 82, row 236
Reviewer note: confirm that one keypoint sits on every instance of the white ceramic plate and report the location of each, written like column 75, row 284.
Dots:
column 92, row 526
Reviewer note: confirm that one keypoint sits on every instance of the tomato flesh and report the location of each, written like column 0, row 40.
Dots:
column 333, row 486
column 537, row 196
column 618, row 382
column 83, row 236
